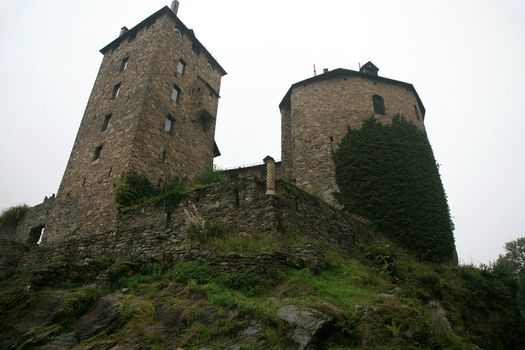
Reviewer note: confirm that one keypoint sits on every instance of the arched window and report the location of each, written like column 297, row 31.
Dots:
column 379, row 104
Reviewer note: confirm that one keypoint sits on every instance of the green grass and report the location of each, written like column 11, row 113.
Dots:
column 260, row 308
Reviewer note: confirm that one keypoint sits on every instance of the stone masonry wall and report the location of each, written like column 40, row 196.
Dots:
column 320, row 114
column 161, row 232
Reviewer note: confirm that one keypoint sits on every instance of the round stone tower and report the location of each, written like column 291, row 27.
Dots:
column 316, row 114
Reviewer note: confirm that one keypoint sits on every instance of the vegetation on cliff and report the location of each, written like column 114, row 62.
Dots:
column 378, row 298
column 10, row 217
column 388, row 174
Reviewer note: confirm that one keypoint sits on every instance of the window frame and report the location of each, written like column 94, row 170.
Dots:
column 132, row 36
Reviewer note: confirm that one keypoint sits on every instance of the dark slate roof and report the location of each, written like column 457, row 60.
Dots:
column 340, row 72
column 182, row 27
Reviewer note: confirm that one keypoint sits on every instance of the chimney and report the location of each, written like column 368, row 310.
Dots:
column 123, row 31
column 175, row 6
column 325, row 70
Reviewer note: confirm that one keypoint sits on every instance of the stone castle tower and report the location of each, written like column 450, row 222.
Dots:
column 152, row 110
column 316, row 113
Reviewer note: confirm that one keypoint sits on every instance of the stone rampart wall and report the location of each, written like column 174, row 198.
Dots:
column 161, row 232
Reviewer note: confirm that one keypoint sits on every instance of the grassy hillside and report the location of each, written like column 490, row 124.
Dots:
column 380, row 298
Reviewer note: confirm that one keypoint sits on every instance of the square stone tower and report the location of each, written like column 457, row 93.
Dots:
column 152, row 110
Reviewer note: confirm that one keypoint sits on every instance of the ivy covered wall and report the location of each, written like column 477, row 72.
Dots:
column 388, row 174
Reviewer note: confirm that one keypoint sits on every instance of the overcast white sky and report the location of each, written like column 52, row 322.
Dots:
column 466, row 59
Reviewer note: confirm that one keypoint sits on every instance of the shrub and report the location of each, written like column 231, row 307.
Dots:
column 251, row 283
column 184, row 272
column 12, row 215
column 208, row 177
column 78, row 304
column 382, row 256
column 133, row 189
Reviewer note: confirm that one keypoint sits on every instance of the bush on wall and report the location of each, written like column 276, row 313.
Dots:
column 388, row 174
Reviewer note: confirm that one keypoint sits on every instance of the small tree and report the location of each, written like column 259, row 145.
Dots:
column 513, row 263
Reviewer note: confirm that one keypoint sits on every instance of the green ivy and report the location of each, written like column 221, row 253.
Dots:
column 388, row 174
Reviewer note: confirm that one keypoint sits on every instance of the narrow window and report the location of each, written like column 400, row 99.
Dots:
column 96, row 154
column 168, row 123
column 180, row 67
column 84, row 183
column 110, row 171
column 417, row 112
column 124, row 64
column 105, row 123
column 116, row 91
column 132, row 37
column 379, row 104
column 163, row 153
column 175, row 93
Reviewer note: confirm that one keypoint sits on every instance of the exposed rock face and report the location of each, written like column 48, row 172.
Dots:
column 102, row 314
column 439, row 314
column 10, row 255
column 305, row 322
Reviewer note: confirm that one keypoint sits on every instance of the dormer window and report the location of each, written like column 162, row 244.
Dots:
column 379, row 104
column 210, row 66
column 196, row 47
column 132, row 36
column 178, row 32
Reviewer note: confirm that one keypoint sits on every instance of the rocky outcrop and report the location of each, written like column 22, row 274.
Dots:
column 304, row 323
column 10, row 254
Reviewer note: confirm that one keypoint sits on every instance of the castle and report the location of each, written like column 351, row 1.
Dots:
column 153, row 110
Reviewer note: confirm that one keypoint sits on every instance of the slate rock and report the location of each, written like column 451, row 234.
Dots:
column 306, row 322
column 102, row 315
